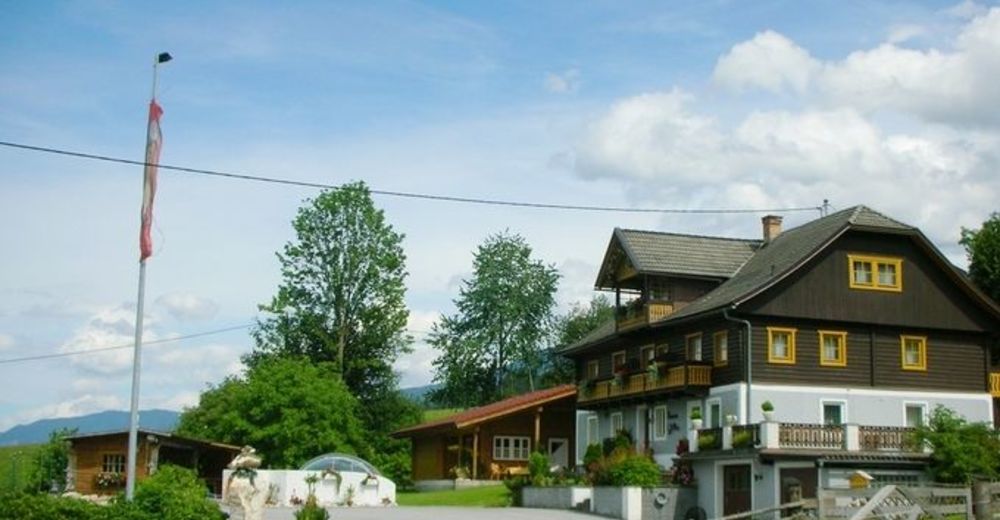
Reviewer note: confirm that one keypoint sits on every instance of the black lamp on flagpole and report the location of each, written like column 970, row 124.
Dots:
column 133, row 432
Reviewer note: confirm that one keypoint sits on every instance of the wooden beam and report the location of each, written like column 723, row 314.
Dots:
column 475, row 454
column 538, row 429
column 460, row 446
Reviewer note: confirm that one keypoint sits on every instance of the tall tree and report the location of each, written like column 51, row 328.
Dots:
column 571, row 327
column 983, row 249
column 289, row 410
column 341, row 295
column 504, row 315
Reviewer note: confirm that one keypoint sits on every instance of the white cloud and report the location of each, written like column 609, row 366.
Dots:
column 6, row 342
column 953, row 85
column 187, row 306
column 564, row 82
column 768, row 61
column 904, row 33
column 177, row 402
column 965, row 10
column 109, row 327
column 416, row 368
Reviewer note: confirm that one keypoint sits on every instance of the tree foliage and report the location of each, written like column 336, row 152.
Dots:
column 290, row 410
column 983, row 249
column 50, row 462
column 341, row 295
column 572, row 327
column 962, row 451
column 503, row 317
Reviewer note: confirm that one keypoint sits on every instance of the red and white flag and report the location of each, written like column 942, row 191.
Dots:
column 153, row 143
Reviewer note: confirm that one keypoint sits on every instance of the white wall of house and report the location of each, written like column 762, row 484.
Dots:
column 870, row 407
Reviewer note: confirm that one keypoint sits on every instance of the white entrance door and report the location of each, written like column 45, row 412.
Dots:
column 559, row 452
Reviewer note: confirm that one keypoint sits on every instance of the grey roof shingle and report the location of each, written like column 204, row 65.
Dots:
column 671, row 253
column 763, row 266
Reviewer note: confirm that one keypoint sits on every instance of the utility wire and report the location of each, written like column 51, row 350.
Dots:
column 404, row 194
column 118, row 347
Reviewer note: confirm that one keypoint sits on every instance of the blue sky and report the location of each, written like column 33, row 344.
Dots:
column 643, row 104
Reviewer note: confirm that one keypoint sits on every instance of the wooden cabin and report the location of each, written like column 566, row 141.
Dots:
column 97, row 461
column 495, row 440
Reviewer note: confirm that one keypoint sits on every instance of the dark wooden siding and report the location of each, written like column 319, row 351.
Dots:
column 955, row 362
column 820, row 290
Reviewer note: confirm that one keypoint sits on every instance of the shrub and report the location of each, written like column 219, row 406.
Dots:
column 311, row 510
column 963, row 451
column 622, row 439
column 515, row 485
column 696, row 414
column 593, row 455
column 173, row 493
column 50, row 462
column 538, row 468
column 23, row 506
column 706, row 441
column 767, row 406
column 741, row 439
column 634, row 470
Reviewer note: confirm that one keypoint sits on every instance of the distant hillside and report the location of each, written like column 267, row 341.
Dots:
column 419, row 393
column 38, row 431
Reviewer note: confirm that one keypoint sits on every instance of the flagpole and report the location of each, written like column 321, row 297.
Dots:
column 133, row 432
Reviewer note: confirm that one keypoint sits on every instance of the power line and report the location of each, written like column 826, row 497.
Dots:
column 404, row 194
column 118, row 347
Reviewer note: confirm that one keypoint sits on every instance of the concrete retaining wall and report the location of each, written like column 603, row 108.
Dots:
column 557, row 497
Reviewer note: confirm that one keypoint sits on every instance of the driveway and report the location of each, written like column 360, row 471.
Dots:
column 435, row 513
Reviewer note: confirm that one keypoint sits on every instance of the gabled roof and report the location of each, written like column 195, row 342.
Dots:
column 491, row 411
column 654, row 252
column 156, row 433
column 772, row 262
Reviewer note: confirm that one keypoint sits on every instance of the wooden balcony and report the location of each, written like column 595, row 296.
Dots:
column 800, row 436
column 637, row 315
column 665, row 379
column 995, row 384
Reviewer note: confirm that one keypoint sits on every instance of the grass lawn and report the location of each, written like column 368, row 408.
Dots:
column 15, row 465
column 486, row 496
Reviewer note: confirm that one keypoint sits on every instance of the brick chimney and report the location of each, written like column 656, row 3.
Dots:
column 772, row 227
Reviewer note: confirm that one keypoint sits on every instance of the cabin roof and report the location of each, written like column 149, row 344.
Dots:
column 491, row 411
column 156, row 433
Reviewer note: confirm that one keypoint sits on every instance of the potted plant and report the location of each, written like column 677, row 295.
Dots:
column 730, row 419
column 653, row 371
column 696, row 421
column 619, row 379
column 587, row 387
column 768, row 410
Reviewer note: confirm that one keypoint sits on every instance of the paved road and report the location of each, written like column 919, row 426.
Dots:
column 436, row 513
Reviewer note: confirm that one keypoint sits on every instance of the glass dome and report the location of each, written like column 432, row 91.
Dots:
column 340, row 462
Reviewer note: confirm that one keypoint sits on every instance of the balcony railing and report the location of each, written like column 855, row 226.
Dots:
column 641, row 313
column 669, row 378
column 799, row 436
column 995, row 384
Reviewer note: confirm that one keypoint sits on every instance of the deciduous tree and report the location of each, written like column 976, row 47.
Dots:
column 983, row 249
column 503, row 319
column 569, row 328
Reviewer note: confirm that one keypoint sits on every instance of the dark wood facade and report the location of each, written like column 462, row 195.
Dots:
column 934, row 302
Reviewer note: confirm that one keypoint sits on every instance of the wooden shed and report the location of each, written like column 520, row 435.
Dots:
column 495, row 440
column 97, row 461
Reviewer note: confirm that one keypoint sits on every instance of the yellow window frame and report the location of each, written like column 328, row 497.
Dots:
column 841, row 359
column 874, row 262
column 593, row 369
column 620, row 354
column 717, row 359
column 771, row 333
column 921, row 342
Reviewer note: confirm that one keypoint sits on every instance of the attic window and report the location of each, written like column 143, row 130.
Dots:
column 875, row 273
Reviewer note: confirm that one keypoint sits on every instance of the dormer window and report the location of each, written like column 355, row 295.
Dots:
column 875, row 273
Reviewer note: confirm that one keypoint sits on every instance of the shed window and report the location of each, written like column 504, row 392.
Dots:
column 113, row 463
column 781, row 345
column 507, row 447
column 876, row 273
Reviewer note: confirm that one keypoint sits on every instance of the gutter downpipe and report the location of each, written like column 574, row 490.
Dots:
column 749, row 351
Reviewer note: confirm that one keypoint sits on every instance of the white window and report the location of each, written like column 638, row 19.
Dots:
column 693, row 342
column 617, row 423
column 113, row 463
column 506, row 447
column 915, row 414
column 660, row 423
column 593, row 433
column 834, row 413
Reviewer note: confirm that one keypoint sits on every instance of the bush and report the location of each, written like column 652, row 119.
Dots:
column 23, row 506
column 962, row 451
column 50, row 462
column 706, row 441
column 741, row 439
column 538, row 468
column 515, row 485
column 173, row 493
column 635, row 470
column 311, row 511
column 593, row 454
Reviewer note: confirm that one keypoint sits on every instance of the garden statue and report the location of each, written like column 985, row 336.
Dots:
column 250, row 496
